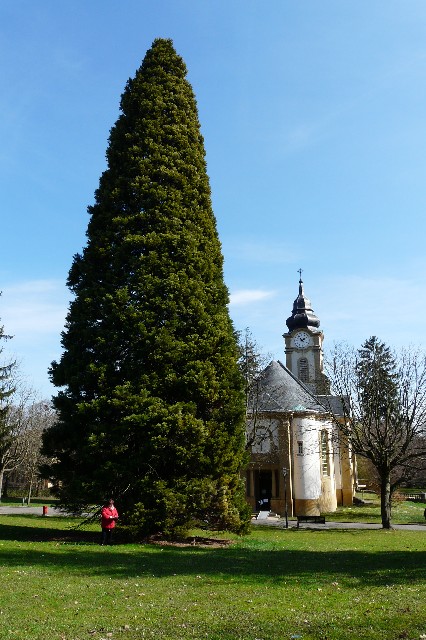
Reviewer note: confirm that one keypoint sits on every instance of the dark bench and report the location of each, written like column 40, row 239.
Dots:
column 316, row 519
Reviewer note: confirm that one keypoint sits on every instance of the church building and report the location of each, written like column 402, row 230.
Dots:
column 301, row 463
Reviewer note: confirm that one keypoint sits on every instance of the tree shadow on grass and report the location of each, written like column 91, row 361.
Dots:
column 73, row 551
column 33, row 528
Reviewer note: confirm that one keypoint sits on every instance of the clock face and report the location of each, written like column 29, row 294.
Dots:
column 302, row 340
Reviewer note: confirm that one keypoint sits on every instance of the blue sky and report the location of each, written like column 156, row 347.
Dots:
column 314, row 119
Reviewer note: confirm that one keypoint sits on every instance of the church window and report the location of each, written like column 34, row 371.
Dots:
column 262, row 443
column 303, row 367
column 300, row 448
column 265, row 436
column 325, row 453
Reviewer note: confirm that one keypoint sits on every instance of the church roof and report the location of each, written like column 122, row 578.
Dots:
column 279, row 390
column 302, row 315
column 337, row 405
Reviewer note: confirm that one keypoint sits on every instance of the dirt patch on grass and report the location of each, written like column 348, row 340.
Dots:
column 192, row 541
column 78, row 537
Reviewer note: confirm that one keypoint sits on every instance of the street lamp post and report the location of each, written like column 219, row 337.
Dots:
column 285, row 471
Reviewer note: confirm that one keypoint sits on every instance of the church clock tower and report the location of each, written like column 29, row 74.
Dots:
column 303, row 345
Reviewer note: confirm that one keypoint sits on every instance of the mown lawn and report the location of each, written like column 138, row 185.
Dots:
column 34, row 502
column 57, row 583
column 403, row 512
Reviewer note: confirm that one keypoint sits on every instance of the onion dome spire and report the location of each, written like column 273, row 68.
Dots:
column 302, row 315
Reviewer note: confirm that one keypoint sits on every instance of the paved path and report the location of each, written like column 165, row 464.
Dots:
column 274, row 521
column 271, row 521
column 33, row 511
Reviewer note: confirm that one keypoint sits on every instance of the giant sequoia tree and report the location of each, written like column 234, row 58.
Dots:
column 151, row 408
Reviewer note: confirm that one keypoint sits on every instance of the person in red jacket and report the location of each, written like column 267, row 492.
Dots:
column 109, row 517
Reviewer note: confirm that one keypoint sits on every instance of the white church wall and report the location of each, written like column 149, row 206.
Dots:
column 307, row 472
column 328, row 500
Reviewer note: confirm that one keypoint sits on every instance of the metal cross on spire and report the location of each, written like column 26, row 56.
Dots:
column 299, row 271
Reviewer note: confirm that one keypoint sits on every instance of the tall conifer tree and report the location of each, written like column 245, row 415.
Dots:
column 151, row 408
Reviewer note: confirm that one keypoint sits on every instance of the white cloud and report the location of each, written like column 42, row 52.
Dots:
column 249, row 296
column 33, row 308
column 33, row 312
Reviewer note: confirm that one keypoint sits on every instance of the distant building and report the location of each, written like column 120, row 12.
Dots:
column 290, row 428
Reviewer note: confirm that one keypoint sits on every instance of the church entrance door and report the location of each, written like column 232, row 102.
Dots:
column 264, row 490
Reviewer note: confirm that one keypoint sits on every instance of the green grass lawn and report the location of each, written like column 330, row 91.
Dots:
column 34, row 502
column 58, row 583
column 404, row 512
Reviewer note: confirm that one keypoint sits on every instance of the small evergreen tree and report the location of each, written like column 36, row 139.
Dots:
column 151, row 408
column 379, row 409
column 377, row 376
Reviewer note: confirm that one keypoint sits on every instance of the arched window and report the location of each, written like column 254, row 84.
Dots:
column 325, row 453
column 303, row 369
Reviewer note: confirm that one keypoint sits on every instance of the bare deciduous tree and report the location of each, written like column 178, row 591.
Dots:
column 252, row 363
column 7, row 389
column 36, row 418
column 14, row 441
column 24, row 419
column 383, row 397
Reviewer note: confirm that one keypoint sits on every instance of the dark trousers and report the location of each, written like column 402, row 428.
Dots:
column 106, row 536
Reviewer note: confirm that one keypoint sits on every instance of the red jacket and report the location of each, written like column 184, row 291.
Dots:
column 109, row 516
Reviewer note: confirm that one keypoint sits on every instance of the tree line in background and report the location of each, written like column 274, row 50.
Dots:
column 23, row 419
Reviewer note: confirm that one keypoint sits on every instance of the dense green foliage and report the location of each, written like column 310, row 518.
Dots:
column 152, row 408
column 376, row 371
